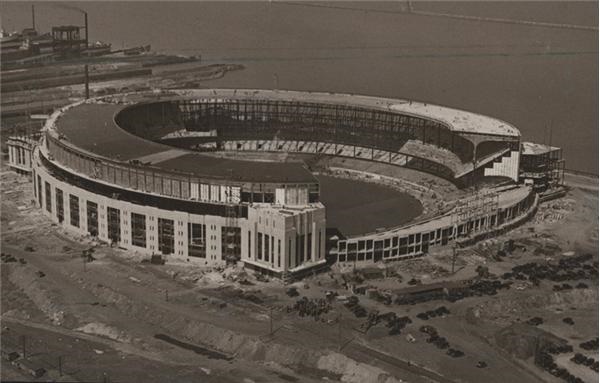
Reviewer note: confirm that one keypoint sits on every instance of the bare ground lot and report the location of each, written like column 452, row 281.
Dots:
column 104, row 319
column 356, row 207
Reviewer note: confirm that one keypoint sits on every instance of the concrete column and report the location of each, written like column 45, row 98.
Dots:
column 315, row 242
column 102, row 221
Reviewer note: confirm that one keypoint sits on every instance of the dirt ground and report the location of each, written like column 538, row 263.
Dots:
column 103, row 317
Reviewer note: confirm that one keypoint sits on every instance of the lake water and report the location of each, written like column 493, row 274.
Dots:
column 542, row 80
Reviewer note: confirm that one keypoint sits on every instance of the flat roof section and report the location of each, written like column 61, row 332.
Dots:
column 92, row 127
column 239, row 170
column 533, row 149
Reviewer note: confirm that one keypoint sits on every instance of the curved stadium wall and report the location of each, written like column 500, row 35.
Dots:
column 274, row 224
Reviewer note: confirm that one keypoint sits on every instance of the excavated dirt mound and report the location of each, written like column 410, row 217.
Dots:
column 499, row 306
column 524, row 341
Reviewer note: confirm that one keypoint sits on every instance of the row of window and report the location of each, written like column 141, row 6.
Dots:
column 19, row 155
column 418, row 243
column 166, row 238
column 266, row 249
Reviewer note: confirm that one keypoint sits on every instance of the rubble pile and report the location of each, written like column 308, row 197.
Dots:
column 555, row 211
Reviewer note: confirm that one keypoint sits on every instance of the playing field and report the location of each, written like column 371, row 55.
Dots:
column 356, row 207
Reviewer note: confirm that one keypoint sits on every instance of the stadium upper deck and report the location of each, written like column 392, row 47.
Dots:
column 130, row 130
column 92, row 128
column 455, row 120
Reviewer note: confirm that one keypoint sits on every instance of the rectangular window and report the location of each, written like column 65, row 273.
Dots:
column 279, row 253
column 300, row 246
column 48, row 198
column 249, row 255
column 267, row 247
column 113, row 217
column 60, row 208
column 259, row 245
column 39, row 190
column 138, row 230
column 289, row 252
column 166, row 236
column 92, row 218
column 310, row 247
column 319, row 244
column 34, row 183
column 197, row 240
column 74, row 210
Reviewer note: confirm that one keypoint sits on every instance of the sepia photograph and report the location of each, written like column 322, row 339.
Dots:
column 299, row 191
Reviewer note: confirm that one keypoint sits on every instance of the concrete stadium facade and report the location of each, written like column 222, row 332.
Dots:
column 130, row 170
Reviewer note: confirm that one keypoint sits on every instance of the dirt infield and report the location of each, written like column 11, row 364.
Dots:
column 355, row 207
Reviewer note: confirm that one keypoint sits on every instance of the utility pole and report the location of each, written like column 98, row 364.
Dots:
column 24, row 345
column 454, row 252
column 339, row 332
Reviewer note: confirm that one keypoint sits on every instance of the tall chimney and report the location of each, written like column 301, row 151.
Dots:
column 87, row 44
column 33, row 16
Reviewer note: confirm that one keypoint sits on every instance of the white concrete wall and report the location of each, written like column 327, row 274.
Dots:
column 261, row 218
column 507, row 167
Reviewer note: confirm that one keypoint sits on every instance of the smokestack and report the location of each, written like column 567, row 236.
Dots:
column 87, row 44
column 33, row 17
column 87, row 82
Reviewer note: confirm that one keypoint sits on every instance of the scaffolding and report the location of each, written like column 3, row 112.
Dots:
column 231, row 233
column 470, row 214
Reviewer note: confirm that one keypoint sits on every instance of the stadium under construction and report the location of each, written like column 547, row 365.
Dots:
column 133, row 171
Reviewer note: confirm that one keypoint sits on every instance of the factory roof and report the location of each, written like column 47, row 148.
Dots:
column 533, row 149
column 92, row 127
column 455, row 119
